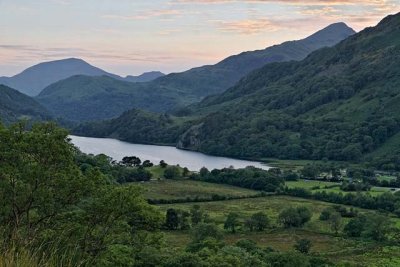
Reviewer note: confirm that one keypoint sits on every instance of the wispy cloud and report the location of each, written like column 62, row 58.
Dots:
column 247, row 26
column 163, row 13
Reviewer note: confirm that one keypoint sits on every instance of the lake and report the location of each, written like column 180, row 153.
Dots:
column 194, row 161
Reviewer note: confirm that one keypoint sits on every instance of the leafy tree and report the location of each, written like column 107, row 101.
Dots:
column 294, row 217
column 326, row 214
column 197, row 214
column 163, row 164
column 131, row 161
column 377, row 227
column 303, row 246
column 232, row 221
column 172, row 219
column 258, row 221
column 335, row 221
column 147, row 164
column 172, row 172
column 203, row 231
column 185, row 172
column 356, row 226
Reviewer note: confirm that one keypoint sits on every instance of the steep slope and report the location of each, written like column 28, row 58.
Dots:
column 15, row 106
column 145, row 77
column 32, row 80
column 84, row 98
column 175, row 90
column 214, row 79
column 340, row 103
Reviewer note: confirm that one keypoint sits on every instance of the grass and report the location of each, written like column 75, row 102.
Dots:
column 324, row 242
column 271, row 205
column 310, row 184
column 181, row 189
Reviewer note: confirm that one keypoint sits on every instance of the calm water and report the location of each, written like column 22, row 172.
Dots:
column 192, row 160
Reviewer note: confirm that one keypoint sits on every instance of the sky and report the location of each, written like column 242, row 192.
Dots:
column 135, row 36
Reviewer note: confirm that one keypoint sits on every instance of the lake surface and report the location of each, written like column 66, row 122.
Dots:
column 194, row 161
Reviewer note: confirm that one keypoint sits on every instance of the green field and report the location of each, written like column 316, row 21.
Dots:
column 182, row 189
column 324, row 241
column 310, row 184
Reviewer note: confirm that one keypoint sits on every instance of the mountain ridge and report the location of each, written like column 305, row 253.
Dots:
column 180, row 89
column 34, row 79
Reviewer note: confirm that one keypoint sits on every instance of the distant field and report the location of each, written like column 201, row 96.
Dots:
column 271, row 205
column 310, row 184
column 181, row 189
column 319, row 232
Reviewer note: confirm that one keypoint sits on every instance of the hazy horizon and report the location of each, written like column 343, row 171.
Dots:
column 165, row 35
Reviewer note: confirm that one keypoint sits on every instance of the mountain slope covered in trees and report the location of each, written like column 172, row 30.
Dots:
column 340, row 103
column 84, row 98
column 176, row 90
column 16, row 106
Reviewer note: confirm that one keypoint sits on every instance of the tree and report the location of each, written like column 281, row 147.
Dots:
column 197, row 214
column 232, row 222
column 258, row 221
column 185, row 172
column 377, row 227
column 131, row 161
column 294, row 217
column 204, row 231
column 326, row 214
column 355, row 226
column 172, row 172
column 204, row 172
column 289, row 218
column 172, row 219
column 305, row 214
column 303, row 246
column 147, row 164
column 335, row 221
column 163, row 164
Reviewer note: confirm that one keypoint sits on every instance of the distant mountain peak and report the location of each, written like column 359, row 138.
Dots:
column 332, row 32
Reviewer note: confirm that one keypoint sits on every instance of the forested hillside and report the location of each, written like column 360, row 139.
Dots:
column 95, row 98
column 16, row 106
column 339, row 103
column 84, row 98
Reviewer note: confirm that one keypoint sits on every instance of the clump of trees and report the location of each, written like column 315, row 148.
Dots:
column 250, row 177
column 294, row 217
column 52, row 201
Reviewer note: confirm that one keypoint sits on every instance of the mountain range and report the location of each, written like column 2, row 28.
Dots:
column 339, row 103
column 95, row 98
column 34, row 79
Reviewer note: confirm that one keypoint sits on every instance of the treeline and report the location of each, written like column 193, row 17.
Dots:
column 137, row 126
column 249, row 177
column 387, row 201
column 129, row 169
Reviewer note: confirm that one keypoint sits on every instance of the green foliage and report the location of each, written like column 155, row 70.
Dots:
column 15, row 106
column 249, row 177
column 172, row 172
column 303, row 246
column 49, row 203
column 258, row 222
column 294, row 217
column 231, row 222
column 83, row 98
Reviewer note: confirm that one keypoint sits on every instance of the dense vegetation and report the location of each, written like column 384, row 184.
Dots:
column 250, row 177
column 330, row 106
column 95, row 98
column 15, row 106
column 64, row 208
column 137, row 126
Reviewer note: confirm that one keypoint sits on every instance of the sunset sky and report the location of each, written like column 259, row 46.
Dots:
column 130, row 37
